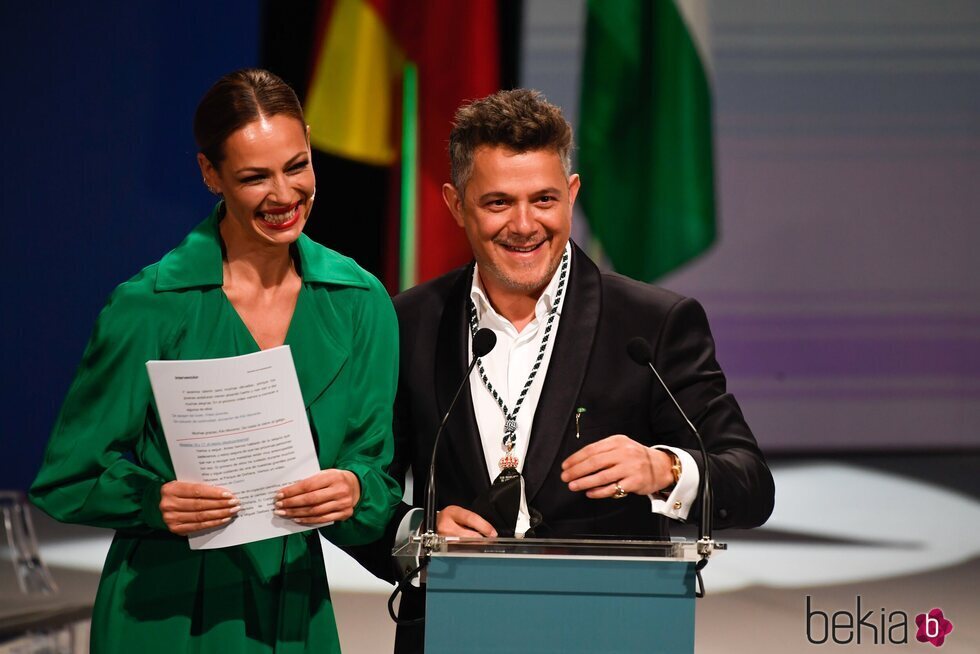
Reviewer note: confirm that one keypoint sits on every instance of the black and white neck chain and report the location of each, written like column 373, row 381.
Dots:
column 510, row 460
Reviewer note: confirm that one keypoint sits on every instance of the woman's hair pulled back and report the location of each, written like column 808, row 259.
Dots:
column 237, row 99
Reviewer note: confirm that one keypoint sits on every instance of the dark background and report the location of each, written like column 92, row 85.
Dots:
column 99, row 170
column 99, row 174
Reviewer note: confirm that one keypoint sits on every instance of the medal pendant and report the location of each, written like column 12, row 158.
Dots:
column 508, row 461
column 507, row 474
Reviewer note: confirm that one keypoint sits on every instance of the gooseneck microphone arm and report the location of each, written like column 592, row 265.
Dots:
column 483, row 342
column 639, row 351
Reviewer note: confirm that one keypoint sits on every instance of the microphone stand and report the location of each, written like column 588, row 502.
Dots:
column 483, row 342
column 639, row 351
column 429, row 537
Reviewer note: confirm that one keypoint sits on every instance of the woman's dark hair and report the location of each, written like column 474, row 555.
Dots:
column 237, row 99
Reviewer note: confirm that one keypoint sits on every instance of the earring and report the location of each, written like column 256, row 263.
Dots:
column 209, row 187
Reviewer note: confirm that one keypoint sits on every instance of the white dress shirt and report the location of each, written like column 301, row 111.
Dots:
column 508, row 366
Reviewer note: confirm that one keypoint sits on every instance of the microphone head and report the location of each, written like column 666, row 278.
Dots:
column 483, row 341
column 639, row 350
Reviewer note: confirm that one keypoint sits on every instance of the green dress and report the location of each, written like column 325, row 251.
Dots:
column 107, row 457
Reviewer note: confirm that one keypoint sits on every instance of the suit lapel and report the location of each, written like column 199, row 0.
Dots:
column 462, row 435
column 566, row 370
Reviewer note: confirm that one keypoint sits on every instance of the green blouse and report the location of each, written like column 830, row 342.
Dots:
column 107, row 457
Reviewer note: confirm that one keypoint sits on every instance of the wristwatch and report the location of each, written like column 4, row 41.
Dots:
column 675, row 471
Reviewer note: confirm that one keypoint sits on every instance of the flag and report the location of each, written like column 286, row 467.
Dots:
column 645, row 135
column 386, row 79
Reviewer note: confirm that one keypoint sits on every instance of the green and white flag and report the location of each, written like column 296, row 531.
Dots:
column 645, row 137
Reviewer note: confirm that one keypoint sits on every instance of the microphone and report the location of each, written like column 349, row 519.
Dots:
column 483, row 342
column 639, row 350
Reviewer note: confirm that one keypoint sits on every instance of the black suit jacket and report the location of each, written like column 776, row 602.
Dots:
column 589, row 368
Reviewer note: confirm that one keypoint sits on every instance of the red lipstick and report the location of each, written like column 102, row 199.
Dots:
column 280, row 211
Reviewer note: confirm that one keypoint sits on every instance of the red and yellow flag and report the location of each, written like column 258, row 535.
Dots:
column 387, row 78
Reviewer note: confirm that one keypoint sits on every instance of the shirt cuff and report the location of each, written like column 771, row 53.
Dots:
column 678, row 504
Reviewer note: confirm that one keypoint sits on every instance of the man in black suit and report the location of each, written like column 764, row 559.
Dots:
column 600, row 447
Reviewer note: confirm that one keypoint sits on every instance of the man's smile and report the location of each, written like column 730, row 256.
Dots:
column 522, row 249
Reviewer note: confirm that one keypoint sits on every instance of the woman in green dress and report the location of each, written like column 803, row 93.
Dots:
column 245, row 279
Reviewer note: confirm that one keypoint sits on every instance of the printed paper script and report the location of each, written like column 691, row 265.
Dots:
column 238, row 423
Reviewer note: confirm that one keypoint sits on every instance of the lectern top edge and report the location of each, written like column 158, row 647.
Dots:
column 678, row 551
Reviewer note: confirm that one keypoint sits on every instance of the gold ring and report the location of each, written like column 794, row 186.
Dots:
column 620, row 493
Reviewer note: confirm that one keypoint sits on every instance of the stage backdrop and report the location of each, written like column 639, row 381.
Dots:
column 99, row 175
column 844, row 288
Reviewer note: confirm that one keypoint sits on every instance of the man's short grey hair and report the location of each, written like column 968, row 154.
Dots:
column 521, row 120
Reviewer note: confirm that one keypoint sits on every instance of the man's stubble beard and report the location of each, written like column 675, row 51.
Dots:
column 512, row 284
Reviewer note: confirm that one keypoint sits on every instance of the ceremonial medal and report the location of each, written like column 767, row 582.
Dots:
column 510, row 462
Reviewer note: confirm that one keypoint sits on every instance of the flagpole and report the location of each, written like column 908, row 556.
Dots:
column 409, row 188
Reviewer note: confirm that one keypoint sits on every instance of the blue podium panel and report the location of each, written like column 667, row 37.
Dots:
column 509, row 604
